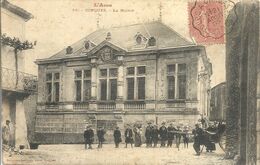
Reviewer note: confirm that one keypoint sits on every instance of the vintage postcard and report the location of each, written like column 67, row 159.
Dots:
column 128, row 82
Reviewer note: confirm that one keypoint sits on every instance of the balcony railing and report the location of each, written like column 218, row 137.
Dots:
column 106, row 105
column 135, row 105
column 81, row 106
column 127, row 105
column 18, row 81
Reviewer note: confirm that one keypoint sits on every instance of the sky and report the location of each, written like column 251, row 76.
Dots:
column 59, row 23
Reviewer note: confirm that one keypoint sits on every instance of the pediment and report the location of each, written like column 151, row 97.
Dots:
column 107, row 52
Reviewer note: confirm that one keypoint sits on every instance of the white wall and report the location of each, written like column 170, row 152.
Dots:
column 12, row 26
column 20, row 127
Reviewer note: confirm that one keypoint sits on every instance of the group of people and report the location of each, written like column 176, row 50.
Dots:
column 89, row 137
column 207, row 136
column 133, row 136
column 166, row 135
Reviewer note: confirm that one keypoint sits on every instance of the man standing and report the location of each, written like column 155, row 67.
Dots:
column 163, row 134
column 100, row 134
column 178, row 137
column 155, row 134
column 128, row 136
column 186, row 136
column 170, row 131
column 148, row 134
column 117, row 136
column 197, row 132
column 89, row 137
column 6, row 135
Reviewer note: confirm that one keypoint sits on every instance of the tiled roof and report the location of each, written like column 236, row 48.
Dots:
column 124, row 38
column 16, row 10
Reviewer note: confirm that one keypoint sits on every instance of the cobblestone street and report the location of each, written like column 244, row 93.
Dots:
column 75, row 154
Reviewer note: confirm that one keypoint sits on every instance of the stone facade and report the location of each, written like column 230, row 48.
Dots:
column 64, row 121
column 242, row 62
column 218, row 103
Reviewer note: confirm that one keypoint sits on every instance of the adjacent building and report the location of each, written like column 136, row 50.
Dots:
column 218, row 103
column 16, row 84
column 121, row 75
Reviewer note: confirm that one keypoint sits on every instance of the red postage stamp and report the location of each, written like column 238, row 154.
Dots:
column 206, row 21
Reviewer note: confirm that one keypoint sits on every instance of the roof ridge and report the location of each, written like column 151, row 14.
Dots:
column 134, row 24
column 146, row 30
column 16, row 10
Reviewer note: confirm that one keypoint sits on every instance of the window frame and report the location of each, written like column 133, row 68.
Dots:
column 135, row 76
column 176, row 75
column 82, row 80
column 52, row 81
column 108, row 78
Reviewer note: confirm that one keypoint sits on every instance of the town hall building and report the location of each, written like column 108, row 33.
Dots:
column 121, row 75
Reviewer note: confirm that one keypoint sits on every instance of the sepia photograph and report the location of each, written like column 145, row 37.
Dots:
column 128, row 82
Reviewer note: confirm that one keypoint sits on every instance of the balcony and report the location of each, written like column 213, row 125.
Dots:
column 106, row 105
column 78, row 106
column 18, row 81
column 127, row 105
column 134, row 105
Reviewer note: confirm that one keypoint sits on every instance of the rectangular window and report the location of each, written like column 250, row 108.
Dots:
column 182, row 81
column 52, row 87
column 103, row 72
column 176, row 81
column 182, row 86
column 49, row 88
column 87, row 90
column 87, row 73
column 108, row 84
column 78, row 90
column 113, row 87
column 130, row 88
column 56, row 91
column 103, row 90
column 136, row 83
column 56, row 76
column 78, row 74
column 49, row 77
column 182, row 68
column 171, row 69
column 171, row 87
column 83, row 85
column 141, row 70
column 130, row 71
column 141, row 87
column 113, row 72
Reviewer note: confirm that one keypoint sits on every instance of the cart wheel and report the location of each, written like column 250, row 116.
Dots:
column 222, row 142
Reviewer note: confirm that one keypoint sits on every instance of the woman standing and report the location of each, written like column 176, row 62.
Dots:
column 138, row 135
